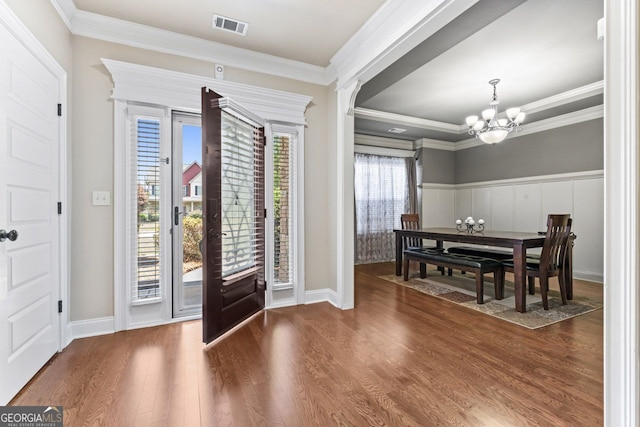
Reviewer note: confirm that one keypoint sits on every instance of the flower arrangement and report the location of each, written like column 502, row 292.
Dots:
column 470, row 225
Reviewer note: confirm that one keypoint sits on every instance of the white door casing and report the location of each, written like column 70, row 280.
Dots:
column 30, row 177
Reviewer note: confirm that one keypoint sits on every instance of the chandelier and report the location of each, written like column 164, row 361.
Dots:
column 491, row 129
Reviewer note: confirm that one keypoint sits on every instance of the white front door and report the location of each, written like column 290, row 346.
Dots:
column 29, row 193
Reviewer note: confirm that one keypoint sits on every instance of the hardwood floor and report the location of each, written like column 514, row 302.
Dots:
column 399, row 358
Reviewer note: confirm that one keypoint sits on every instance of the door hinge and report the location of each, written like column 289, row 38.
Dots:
column 60, row 110
column 265, row 212
column 59, row 208
column 265, row 285
column 59, row 306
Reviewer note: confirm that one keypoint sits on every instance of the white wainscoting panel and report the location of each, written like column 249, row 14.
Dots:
column 502, row 202
column 588, row 225
column 463, row 203
column 481, row 205
column 527, row 210
column 557, row 197
column 523, row 205
column 437, row 207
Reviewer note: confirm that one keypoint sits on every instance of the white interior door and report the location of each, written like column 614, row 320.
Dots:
column 29, row 193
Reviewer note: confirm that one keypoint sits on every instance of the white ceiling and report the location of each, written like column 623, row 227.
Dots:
column 538, row 48
column 309, row 31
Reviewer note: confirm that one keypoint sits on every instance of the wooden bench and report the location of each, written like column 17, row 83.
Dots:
column 478, row 265
column 481, row 252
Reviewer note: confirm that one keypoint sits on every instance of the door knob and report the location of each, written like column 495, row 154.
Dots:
column 11, row 235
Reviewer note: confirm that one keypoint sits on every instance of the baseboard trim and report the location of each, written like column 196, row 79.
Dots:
column 281, row 304
column 588, row 276
column 90, row 328
column 321, row 295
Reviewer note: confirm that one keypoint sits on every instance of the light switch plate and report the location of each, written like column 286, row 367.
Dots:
column 101, row 198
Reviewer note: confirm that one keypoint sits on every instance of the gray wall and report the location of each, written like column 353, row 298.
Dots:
column 568, row 149
column 438, row 166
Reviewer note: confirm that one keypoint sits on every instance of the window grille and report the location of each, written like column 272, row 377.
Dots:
column 239, row 168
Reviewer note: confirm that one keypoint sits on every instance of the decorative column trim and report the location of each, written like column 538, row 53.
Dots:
column 622, row 168
column 345, row 231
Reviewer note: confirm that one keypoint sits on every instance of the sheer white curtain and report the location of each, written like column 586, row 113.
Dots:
column 382, row 195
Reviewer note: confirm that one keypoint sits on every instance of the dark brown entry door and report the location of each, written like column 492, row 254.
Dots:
column 233, row 215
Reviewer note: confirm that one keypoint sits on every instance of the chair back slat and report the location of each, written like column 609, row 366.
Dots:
column 555, row 242
column 411, row 222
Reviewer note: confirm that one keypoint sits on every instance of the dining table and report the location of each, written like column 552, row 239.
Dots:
column 519, row 242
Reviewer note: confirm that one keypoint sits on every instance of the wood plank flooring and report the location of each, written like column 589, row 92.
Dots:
column 399, row 358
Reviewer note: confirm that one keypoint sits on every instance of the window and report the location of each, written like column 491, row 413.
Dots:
column 185, row 190
column 382, row 195
column 283, row 207
column 146, row 244
column 197, row 190
column 238, row 198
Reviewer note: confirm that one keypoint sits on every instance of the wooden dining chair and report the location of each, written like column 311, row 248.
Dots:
column 412, row 222
column 550, row 263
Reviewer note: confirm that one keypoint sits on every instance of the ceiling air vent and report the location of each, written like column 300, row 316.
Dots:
column 396, row 130
column 228, row 24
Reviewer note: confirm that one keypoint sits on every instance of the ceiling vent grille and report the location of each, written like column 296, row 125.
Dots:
column 397, row 130
column 228, row 24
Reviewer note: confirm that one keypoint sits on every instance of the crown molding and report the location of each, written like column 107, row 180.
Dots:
column 560, row 99
column 591, row 113
column 395, row 28
column 383, row 116
column 380, row 141
column 392, row 31
column 573, row 95
column 156, row 86
column 82, row 23
column 436, row 144
column 66, row 9
column 383, row 151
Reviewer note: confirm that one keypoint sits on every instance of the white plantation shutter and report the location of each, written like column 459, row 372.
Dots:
column 144, row 210
column 284, row 207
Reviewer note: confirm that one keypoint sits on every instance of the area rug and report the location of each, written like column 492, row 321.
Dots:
column 460, row 289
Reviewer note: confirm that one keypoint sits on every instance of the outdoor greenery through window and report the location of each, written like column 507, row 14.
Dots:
column 147, row 275
column 283, row 168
